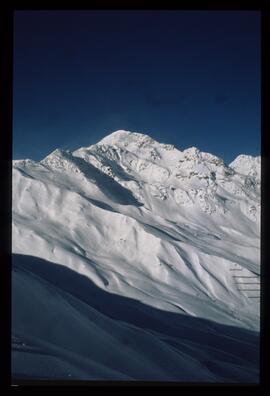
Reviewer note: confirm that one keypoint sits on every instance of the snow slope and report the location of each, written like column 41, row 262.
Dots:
column 176, row 231
column 65, row 327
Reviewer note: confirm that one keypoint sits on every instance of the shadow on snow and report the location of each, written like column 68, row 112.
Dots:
column 187, row 334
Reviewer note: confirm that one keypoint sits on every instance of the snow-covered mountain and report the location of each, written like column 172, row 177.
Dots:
column 171, row 240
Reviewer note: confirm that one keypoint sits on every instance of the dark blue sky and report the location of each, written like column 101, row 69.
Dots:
column 190, row 78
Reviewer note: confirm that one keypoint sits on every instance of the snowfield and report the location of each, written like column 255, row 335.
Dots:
column 133, row 260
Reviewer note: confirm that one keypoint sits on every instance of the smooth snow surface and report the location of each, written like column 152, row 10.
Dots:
column 170, row 236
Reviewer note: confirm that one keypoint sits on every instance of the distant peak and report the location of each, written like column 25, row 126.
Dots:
column 246, row 158
column 123, row 137
column 58, row 153
column 56, row 156
column 116, row 134
column 247, row 164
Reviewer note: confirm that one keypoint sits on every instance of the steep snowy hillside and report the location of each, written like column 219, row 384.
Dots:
column 175, row 231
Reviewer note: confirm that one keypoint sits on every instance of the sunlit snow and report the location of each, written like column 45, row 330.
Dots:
column 167, row 243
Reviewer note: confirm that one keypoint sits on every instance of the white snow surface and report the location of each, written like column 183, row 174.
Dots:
column 176, row 231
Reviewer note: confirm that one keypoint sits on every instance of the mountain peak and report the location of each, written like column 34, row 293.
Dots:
column 124, row 138
column 247, row 165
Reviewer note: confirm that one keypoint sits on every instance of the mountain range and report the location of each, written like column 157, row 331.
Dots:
column 134, row 260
